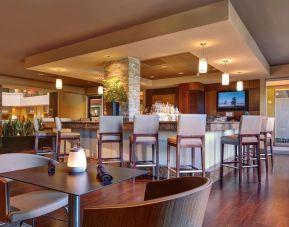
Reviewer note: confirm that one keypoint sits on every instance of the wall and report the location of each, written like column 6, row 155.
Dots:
column 170, row 95
column 253, row 86
column 71, row 105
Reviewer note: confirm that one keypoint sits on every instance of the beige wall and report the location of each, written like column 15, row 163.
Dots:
column 72, row 105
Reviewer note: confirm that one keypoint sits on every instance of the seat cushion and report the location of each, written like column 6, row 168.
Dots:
column 35, row 204
column 234, row 139
column 144, row 139
column 108, row 137
column 46, row 133
column 194, row 142
column 262, row 136
column 67, row 135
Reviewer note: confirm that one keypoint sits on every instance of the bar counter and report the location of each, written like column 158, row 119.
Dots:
column 214, row 132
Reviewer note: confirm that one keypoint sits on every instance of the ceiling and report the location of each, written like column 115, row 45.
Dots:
column 177, row 65
column 30, row 27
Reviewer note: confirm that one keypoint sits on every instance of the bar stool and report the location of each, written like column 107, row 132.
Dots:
column 42, row 136
column 64, row 135
column 110, row 131
column 265, row 137
column 190, row 134
column 145, row 132
column 249, row 135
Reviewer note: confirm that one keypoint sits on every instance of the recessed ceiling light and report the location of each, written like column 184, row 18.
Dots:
column 164, row 66
column 40, row 74
column 108, row 56
column 152, row 77
column 180, row 73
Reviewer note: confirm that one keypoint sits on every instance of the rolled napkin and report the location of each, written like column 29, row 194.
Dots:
column 51, row 167
column 105, row 177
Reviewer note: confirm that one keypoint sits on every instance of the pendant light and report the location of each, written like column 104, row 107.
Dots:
column 203, row 64
column 100, row 90
column 240, row 86
column 58, row 84
column 225, row 75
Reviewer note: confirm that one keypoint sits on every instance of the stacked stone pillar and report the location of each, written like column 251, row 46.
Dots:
column 128, row 71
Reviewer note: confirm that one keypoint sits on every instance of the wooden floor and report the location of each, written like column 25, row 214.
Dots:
column 252, row 204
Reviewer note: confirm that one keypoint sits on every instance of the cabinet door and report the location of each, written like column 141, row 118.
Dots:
column 197, row 102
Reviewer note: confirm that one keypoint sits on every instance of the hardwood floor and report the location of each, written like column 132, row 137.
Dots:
column 252, row 204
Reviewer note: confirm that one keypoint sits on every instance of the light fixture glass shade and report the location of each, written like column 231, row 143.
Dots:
column 58, row 84
column 76, row 160
column 100, row 90
column 239, row 85
column 225, row 79
column 203, row 65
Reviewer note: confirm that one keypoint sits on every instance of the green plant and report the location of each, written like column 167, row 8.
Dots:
column 114, row 90
column 17, row 128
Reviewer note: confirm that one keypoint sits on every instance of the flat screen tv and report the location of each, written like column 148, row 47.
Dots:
column 232, row 100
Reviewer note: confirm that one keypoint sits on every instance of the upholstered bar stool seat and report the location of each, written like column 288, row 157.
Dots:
column 64, row 134
column 190, row 134
column 249, row 135
column 145, row 132
column 110, row 131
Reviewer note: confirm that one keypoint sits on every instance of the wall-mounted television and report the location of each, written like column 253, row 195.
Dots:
column 232, row 100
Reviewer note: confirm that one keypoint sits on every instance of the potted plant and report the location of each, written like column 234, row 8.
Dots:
column 114, row 95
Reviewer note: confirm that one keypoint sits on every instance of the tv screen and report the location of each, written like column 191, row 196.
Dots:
column 232, row 100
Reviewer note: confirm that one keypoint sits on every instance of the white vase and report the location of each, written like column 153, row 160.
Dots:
column 76, row 160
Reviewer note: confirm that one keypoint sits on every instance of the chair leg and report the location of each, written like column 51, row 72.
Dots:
column 157, row 160
column 58, row 148
column 168, row 159
column 271, row 151
column 222, row 161
column 121, row 153
column 133, row 154
column 99, row 152
column 266, row 154
column 259, row 162
column 240, row 151
column 177, row 161
column 36, row 144
column 193, row 158
column 153, row 159
column 203, row 157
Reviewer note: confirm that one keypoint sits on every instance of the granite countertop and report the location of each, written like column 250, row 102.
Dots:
column 164, row 125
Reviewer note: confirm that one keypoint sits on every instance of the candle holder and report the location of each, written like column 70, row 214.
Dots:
column 77, row 160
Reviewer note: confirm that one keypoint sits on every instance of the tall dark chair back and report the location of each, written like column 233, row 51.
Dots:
column 169, row 203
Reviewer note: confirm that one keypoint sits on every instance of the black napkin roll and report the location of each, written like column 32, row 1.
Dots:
column 51, row 168
column 103, row 175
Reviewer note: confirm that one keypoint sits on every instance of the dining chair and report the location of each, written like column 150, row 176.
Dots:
column 249, row 135
column 64, row 135
column 42, row 136
column 145, row 132
column 28, row 205
column 265, row 137
column 191, row 132
column 110, row 131
column 174, row 202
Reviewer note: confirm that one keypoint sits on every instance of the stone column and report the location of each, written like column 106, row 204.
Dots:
column 128, row 71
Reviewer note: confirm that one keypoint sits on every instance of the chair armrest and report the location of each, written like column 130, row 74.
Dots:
column 4, row 200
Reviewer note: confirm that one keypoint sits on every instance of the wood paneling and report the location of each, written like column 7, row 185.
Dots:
column 177, row 65
column 167, row 98
column 197, row 102
column 253, row 87
column 166, row 94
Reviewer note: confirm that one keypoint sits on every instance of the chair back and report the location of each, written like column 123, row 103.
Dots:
column 58, row 124
column 13, row 162
column 250, row 125
column 270, row 124
column 36, row 124
column 110, row 124
column 192, row 124
column 48, row 119
column 178, row 202
column 146, row 124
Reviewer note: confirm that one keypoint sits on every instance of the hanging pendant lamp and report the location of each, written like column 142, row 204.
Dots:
column 225, row 75
column 203, row 64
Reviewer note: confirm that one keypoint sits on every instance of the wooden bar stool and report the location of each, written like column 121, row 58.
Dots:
column 64, row 135
column 41, row 136
column 110, row 131
column 190, row 134
column 265, row 137
column 145, row 132
column 249, row 135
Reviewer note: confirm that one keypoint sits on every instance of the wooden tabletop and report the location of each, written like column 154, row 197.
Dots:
column 63, row 181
